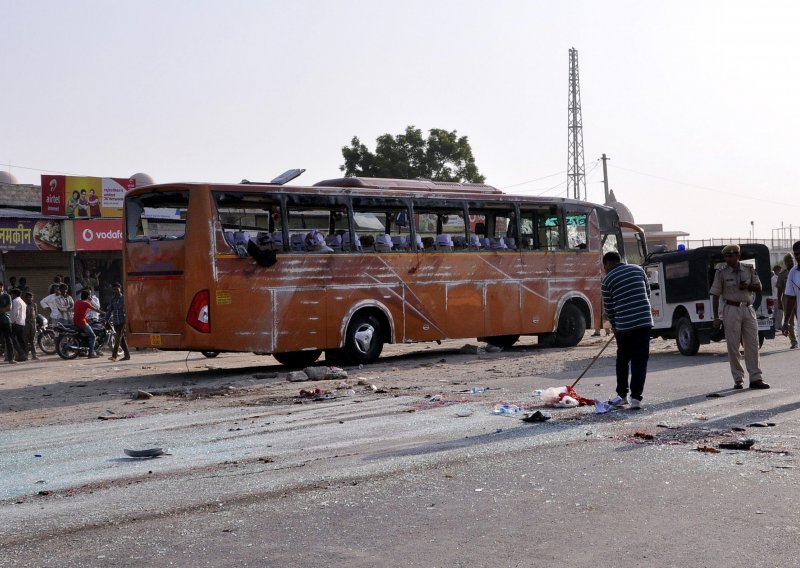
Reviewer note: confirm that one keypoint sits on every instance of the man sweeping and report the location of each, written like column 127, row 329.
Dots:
column 626, row 299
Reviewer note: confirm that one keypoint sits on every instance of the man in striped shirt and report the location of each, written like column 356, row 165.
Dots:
column 626, row 299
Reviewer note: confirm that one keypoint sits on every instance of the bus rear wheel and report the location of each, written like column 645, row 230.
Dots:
column 297, row 358
column 210, row 354
column 571, row 326
column 504, row 341
column 364, row 339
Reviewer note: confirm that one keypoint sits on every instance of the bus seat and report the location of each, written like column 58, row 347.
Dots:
column 418, row 240
column 229, row 238
column 399, row 242
column 383, row 243
column 474, row 241
column 428, row 243
column 298, row 242
column 277, row 239
column 367, row 241
column 497, row 243
column 240, row 238
column 334, row 241
column 486, row 243
column 444, row 242
column 347, row 245
column 511, row 242
column 459, row 242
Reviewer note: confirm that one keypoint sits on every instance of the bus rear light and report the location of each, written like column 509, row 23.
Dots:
column 199, row 316
column 770, row 305
column 700, row 308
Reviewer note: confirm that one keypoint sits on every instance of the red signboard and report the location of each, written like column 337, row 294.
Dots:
column 98, row 234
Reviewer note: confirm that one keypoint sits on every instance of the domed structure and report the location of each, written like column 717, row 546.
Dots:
column 142, row 179
column 7, row 178
column 622, row 209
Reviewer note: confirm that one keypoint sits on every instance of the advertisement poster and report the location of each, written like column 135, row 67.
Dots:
column 99, row 234
column 29, row 234
column 84, row 197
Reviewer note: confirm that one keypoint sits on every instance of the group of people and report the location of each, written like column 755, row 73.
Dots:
column 18, row 317
column 626, row 303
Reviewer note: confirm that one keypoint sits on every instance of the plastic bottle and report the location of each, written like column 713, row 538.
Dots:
column 507, row 409
column 476, row 390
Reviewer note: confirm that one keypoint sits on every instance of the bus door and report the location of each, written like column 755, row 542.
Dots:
column 155, row 264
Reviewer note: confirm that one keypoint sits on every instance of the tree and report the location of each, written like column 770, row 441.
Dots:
column 443, row 156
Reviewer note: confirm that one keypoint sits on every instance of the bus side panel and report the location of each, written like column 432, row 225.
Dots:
column 465, row 310
column 299, row 319
column 503, row 312
column 538, row 308
column 426, row 318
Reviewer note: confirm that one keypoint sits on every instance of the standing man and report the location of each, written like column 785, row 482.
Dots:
column 116, row 315
column 18, row 310
column 5, row 324
column 792, row 306
column 626, row 301
column 79, row 319
column 65, row 304
column 788, row 315
column 778, row 312
column 735, row 283
column 30, row 325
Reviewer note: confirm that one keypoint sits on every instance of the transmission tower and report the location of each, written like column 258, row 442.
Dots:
column 576, row 167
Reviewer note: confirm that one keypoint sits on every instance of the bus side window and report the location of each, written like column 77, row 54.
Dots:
column 549, row 230
column 577, row 229
column 441, row 229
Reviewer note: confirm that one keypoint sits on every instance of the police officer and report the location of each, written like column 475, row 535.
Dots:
column 735, row 283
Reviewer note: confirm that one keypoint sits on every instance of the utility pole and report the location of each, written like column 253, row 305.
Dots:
column 605, row 178
column 576, row 167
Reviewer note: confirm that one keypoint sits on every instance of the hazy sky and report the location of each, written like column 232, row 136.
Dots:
column 695, row 102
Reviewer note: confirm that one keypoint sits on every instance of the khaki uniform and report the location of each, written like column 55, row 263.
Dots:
column 739, row 319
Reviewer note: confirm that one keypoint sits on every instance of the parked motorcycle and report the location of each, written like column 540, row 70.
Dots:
column 72, row 342
column 45, row 336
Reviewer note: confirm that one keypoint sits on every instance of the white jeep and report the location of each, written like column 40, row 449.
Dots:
column 680, row 283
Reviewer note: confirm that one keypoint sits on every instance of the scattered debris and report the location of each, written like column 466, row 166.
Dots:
column 477, row 390
column 297, row 376
column 142, row 395
column 743, row 444
column 643, row 435
column 667, row 426
column 738, row 429
column 468, row 349
column 115, row 417
column 148, row 453
column 537, row 416
column 707, row 449
column 317, row 394
column 493, row 349
column 761, row 425
column 262, row 376
column 464, row 412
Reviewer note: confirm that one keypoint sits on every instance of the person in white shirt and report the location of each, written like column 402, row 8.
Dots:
column 792, row 291
column 18, row 311
column 49, row 302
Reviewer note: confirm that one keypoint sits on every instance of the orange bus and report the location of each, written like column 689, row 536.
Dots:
column 348, row 265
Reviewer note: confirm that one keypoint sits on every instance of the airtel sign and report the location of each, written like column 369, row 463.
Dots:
column 98, row 234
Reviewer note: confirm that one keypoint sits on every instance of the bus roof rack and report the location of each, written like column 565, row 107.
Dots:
column 408, row 185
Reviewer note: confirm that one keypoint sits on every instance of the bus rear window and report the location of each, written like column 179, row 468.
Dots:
column 160, row 215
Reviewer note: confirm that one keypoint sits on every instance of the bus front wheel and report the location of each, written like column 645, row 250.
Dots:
column 364, row 340
column 297, row 359
column 571, row 326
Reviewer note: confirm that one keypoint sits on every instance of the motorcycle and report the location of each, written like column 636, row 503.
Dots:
column 72, row 342
column 45, row 336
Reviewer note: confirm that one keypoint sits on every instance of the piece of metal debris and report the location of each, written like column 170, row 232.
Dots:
column 149, row 453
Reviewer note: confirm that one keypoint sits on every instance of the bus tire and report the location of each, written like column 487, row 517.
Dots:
column 297, row 359
column 210, row 354
column 364, row 339
column 504, row 341
column 686, row 337
column 571, row 326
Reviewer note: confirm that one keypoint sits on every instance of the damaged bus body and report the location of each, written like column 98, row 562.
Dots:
column 350, row 264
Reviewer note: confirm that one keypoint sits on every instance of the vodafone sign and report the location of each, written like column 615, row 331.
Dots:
column 99, row 234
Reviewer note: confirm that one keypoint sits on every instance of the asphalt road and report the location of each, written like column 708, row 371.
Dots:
column 256, row 476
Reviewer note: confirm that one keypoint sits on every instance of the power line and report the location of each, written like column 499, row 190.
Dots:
column 562, row 172
column 9, row 165
column 759, row 198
